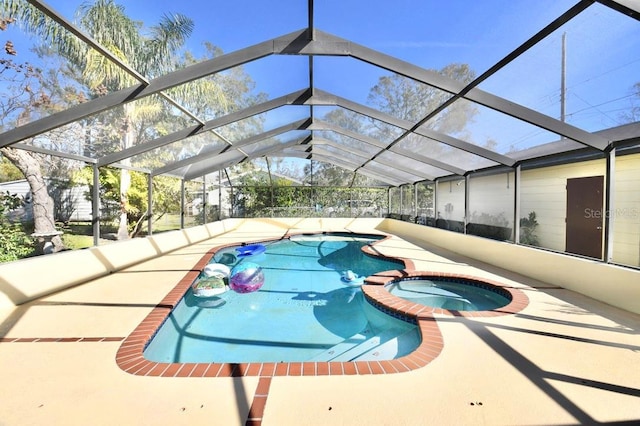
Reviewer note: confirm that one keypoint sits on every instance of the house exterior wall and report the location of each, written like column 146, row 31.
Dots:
column 81, row 207
column 625, row 212
column 544, row 191
column 71, row 205
column 491, row 199
column 450, row 200
column 18, row 187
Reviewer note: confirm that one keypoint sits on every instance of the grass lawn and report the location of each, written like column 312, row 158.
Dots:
column 78, row 235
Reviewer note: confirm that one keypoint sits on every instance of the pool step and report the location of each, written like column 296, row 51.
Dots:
column 390, row 348
column 340, row 348
column 361, row 347
column 366, row 346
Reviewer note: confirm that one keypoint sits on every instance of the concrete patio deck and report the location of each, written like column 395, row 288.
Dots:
column 565, row 359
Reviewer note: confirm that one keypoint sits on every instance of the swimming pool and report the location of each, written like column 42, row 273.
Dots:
column 305, row 311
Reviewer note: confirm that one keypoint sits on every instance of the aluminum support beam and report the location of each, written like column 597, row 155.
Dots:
column 465, row 146
column 285, row 44
column 87, row 39
column 365, row 155
column 204, row 199
column 436, row 213
column 310, row 19
column 630, row 8
column 59, row 154
column 321, row 141
column 538, row 119
column 516, row 203
column 378, row 176
column 352, row 165
column 341, row 162
column 156, row 143
column 219, row 195
column 105, row 52
column 95, row 205
column 258, row 153
column 609, row 206
column 182, row 203
column 227, row 160
column 298, row 125
column 474, row 94
column 467, row 206
column 149, row 204
column 327, row 154
column 325, row 98
column 445, row 167
column 392, row 165
column 296, row 98
column 324, row 125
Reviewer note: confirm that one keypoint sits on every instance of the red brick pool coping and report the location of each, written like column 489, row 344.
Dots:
column 130, row 357
column 375, row 291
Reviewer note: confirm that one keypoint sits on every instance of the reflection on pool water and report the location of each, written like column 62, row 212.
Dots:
column 456, row 294
column 303, row 312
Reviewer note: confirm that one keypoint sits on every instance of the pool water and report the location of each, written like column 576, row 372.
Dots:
column 303, row 312
column 456, row 295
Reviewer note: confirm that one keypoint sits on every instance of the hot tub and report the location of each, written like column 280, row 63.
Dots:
column 451, row 293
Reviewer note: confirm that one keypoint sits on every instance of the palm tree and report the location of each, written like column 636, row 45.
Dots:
column 150, row 53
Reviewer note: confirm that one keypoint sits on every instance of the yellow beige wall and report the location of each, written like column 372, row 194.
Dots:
column 22, row 281
column 450, row 199
column 544, row 191
column 615, row 285
column 492, row 195
column 625, row 213
column 29, row 279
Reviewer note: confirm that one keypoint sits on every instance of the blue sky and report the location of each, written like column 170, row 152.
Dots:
column 603, row 48
column 428, row 33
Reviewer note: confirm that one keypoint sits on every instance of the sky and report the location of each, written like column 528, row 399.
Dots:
column 603, row 50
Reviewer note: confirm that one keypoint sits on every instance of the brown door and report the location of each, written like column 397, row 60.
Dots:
column 585, row 216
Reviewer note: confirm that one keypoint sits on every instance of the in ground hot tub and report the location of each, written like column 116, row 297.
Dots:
column 451, row 293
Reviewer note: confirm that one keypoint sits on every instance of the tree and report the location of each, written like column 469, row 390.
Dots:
column 411, row 100
column 319, row 173
column 150, row 55
column 632, row 115
column 206, row 98
column 165, row 193
column 407, row 99
column 24, row 96
column 8, row 171
column 403, row 98
column 330, row 174
column 149, row 51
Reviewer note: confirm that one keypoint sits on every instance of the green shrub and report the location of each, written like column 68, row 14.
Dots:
column 528, row 228
column 15, row 243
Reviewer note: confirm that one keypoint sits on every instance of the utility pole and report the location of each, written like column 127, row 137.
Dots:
column 563, row 78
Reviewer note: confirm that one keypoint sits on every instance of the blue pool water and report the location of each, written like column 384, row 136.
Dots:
column 303, row 312
column 456, row 294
